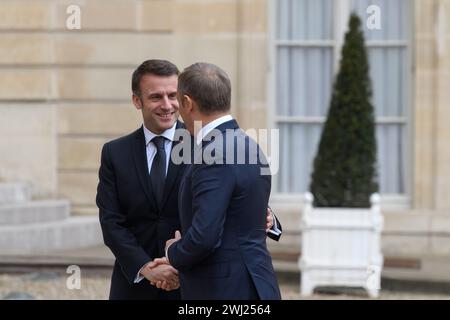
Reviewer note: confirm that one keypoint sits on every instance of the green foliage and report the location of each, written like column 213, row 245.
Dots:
column 344, row 173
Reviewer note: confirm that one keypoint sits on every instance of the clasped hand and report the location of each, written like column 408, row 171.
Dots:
column 161, row 274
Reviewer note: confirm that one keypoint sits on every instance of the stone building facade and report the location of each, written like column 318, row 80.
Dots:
column 65, row 92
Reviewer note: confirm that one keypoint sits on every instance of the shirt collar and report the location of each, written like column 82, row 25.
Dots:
column 210, row 126
column 168, row 134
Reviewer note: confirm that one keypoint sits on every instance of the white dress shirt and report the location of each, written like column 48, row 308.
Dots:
column 151, row 148
column 210, row 126
column 151, row 153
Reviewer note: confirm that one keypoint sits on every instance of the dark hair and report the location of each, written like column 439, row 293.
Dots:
column 162, row 68
column 208, row 85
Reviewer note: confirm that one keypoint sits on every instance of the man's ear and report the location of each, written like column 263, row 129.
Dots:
column 188, row 103
column 136, row 101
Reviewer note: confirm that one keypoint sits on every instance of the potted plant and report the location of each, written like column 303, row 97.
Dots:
column 341, row 222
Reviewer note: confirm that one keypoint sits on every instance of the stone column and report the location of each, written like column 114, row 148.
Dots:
column 432, row 111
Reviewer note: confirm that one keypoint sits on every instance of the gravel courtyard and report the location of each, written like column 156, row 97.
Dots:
column 52, row 286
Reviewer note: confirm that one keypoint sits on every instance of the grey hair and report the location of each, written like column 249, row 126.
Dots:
column 208, row 85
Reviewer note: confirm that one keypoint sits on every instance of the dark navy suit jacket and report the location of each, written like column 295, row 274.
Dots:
column 133, row 226
column 223, row 253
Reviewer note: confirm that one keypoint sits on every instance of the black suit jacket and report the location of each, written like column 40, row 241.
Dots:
column 133, row 226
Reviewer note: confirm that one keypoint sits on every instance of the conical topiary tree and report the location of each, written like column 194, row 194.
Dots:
column 344, row 173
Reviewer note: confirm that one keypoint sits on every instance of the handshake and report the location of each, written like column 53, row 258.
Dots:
column 159, row 271
column 162, row 275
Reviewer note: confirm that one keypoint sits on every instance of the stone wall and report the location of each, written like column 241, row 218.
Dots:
column 431, row 106
column 66, row 92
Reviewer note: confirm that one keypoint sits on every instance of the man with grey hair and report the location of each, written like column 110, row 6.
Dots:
column 222, row 252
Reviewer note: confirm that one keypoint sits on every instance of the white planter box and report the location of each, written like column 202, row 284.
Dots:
column 341, row 247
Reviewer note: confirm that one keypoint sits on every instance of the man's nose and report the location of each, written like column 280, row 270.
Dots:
column 166, row 105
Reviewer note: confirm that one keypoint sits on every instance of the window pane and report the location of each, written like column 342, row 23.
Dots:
column 394, row 18
column 388, row 74
column 391, row 165
column 304, row 81
column 298, row 144
column 305, row 19
column 284, row 19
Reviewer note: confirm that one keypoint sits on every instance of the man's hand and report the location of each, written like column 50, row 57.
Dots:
column 158, row 261
column 161, row 274
column 170, row 241
column 269, row 220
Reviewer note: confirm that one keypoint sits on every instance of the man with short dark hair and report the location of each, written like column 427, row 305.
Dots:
column 137, row 213
column 222, row 252
column 137, row 194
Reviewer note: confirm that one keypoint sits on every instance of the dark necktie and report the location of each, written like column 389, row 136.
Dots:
column 158, row 171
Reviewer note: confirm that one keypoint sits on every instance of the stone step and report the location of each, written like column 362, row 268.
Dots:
column 74, row 232
column 34, row 212
column 14, row 192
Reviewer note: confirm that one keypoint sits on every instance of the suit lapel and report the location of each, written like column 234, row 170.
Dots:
column 140, row 161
